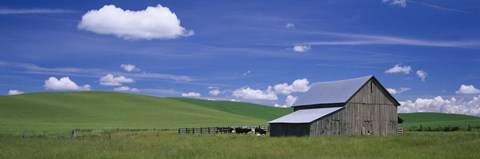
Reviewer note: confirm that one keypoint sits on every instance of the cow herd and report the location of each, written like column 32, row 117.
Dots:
column 242, row 130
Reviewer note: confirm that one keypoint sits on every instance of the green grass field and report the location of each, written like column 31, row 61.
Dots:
column 65, row 111
column 36, row 125
column 170, row 145
column 435, row 120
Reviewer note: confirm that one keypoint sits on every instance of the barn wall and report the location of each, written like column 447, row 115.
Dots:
column 370, row 112
column 332, row 124
column 286, row 129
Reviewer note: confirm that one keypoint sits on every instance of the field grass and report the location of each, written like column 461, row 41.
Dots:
column 170, row 145
column 61, row 111
column 436, row 120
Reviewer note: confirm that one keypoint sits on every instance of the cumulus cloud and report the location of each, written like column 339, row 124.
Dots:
column 129, row 67
column 290, row 100
column 301, row 48
column 299, row 85
column 191, row 94
column 422, row 74
column 439, row 104
column 110, row 80
column 290, row 25
column 249, row 93
column 15, row 92
column 64, row 84
column 399, row 69
column 214, row 92
column 156, row 22
column 394, row 91
column 467, row 89
column 400, row 3
column 126, row 89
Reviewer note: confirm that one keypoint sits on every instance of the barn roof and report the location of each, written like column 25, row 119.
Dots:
column 305, row 115
column 334, row 92
column 331, row 92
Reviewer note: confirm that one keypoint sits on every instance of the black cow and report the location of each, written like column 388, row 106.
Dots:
column 240, row 130
column 224, row 130
column 261, row 131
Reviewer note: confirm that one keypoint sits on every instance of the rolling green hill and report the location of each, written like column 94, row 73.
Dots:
column 57, row 111
column 435, row 120
column 240, row 108
column 60, row 111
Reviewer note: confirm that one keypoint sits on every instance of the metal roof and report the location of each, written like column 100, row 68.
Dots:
column 305, row 115
column 331, row 92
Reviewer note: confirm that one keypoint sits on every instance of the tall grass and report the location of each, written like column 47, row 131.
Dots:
column 172, row 145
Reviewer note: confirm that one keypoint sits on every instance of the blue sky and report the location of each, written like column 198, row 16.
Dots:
column 237, row 49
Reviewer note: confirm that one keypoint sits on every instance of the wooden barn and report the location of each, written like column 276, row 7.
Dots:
column 358, row 106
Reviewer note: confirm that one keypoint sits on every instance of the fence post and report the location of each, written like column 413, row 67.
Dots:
column 72, row 134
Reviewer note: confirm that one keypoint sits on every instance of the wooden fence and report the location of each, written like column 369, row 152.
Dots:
column 218, row 130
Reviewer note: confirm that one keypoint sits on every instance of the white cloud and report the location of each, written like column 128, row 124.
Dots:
column 214, row 92
column 301, row 48
column 247, row 73
column 299, row 85
column 126, row 88
column 399, row 69
column 441, row 8
column 394, row 91
column 86, row 72
column 422, row 74
column 160, row 76
column 280, row 106
column 290, row 25
column 364, row 39
column 191, row 94
column 290, row 100
column 15, row 92
column 34, row 11
column 249, row 93
column 134, row 90
column 64, row 84
column 161, row 92
column 467, row 89
column 110, row 80
column 439, row 104
column 152, row 23
column 401, row 3
column 129, row 67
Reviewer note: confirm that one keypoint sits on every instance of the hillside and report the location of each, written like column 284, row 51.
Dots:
column 434, row 120
column 60, row 111
column 55, row 111
column 240, row 108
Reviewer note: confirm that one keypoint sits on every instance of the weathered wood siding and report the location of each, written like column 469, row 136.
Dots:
column 288, row 129
column 332, row 124
column 368, row 112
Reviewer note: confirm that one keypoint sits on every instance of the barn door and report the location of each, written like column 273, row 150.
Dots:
column 367, row 127
column 336, row 127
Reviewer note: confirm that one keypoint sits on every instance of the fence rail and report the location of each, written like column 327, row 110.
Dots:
column 224, row 130
column 400, row 130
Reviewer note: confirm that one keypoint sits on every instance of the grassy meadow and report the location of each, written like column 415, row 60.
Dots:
column 63, row 111
column 37, row 125
column 425, row 121
column 171, row 145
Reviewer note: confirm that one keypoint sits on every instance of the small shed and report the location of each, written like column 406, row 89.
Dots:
column 358, row 106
